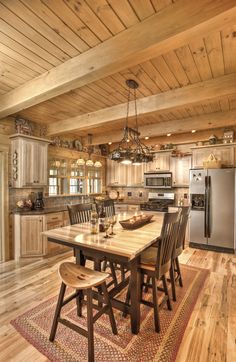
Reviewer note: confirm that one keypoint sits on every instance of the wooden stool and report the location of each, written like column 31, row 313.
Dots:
column 81, row 278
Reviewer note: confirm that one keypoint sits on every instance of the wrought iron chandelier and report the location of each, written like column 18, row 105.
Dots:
column 130, row 149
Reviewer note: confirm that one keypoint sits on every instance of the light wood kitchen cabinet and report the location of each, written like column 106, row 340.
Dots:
column 131, row 175
column 31, row 238
column 126, row 208
column 28, row 240
column 54, row 221
column 180, row 167
column 135, row 174
column 116, row 174
column 29, row 161
column 223, row 153
column 161, row 162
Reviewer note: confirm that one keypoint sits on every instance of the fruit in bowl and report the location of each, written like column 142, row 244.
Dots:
column 20, row 204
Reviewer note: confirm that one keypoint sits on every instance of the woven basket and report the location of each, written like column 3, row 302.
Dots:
column 212, row 162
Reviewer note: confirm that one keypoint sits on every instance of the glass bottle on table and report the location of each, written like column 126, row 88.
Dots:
column 102, row 217
column 94, row 220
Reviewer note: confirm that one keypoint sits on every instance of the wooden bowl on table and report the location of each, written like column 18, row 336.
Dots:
column 135, row 222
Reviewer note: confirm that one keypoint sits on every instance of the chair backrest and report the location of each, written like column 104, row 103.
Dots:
column 79, row 213
column 167, row 242
column 182, row 230
column 108, row 205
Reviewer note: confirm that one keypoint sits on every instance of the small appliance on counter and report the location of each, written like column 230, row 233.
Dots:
column 158, row 201
column 39, row 204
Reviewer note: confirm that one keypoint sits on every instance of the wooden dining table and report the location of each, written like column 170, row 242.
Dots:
column 125, row 248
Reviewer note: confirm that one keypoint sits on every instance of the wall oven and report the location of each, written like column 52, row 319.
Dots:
column 158, row 180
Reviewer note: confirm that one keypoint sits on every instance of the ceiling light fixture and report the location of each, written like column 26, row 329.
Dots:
column 130, row 149
column 146, row 138
column 90, row 162
column 193, row 131
column 168, row 134
column 80, row 162
column 110, row 143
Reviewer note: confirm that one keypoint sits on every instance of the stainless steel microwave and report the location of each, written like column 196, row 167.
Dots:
column 158, row 180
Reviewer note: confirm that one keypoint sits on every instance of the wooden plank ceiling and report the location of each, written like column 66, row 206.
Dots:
column 39, row 36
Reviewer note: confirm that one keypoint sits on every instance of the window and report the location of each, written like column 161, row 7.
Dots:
column 68, row 178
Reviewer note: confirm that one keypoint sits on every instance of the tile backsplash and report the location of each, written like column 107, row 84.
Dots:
column 16, row 195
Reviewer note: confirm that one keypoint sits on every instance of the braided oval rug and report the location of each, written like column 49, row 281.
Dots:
column 35, row 324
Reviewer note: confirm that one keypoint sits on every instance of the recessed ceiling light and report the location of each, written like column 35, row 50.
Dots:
column 146, row 138
column 193, row 130
column 127, row 140
column 110, row 143
column 168, row 134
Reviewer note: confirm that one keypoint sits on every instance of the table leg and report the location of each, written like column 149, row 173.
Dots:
column 135, row 290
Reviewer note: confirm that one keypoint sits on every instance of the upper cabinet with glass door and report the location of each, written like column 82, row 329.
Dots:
column 70, row 177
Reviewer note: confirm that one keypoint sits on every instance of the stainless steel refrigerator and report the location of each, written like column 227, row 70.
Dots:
column 212, row 221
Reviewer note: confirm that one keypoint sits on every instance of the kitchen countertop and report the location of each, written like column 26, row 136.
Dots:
column 46, row 210
column 129, row 202
column 49, row 210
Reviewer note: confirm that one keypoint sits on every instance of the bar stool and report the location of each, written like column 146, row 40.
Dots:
column 81, row 278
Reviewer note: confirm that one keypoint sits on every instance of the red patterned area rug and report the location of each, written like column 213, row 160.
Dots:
column 35, row 325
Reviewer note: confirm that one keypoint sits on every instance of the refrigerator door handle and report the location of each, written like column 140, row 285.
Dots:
column 209, row 206
column 206, row 208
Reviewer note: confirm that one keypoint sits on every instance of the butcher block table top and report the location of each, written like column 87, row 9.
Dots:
column 126, row 243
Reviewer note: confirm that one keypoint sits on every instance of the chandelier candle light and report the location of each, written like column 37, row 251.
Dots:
column 130, row 149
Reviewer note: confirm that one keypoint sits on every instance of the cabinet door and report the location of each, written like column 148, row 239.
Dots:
column 54, row 248
column 66, row 219
column 133, row 175
column 41, row 169
column 180, row 170
column 111, row 172
column 31, row 239
column 120, row 174
column 28, row 163
column 161, row 162
column 225, row 154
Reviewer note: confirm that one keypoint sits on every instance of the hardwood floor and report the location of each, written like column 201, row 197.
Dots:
column 210, row 334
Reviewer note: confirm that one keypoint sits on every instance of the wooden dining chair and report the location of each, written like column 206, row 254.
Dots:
column 156, row 262
column 81, row 278
column 108, row 206
column 109, row 209
column 175, row 270
column 79, row 213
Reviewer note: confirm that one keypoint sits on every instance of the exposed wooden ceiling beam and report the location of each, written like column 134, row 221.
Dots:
column 162, row 32
column 202, row 122
column 186, row 138
column 198, row 92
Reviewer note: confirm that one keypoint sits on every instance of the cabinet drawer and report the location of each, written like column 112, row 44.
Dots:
column 121, row 208
column 133, row 207
column 54, row 217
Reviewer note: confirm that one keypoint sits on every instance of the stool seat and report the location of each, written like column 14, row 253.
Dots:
column 79, row 277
